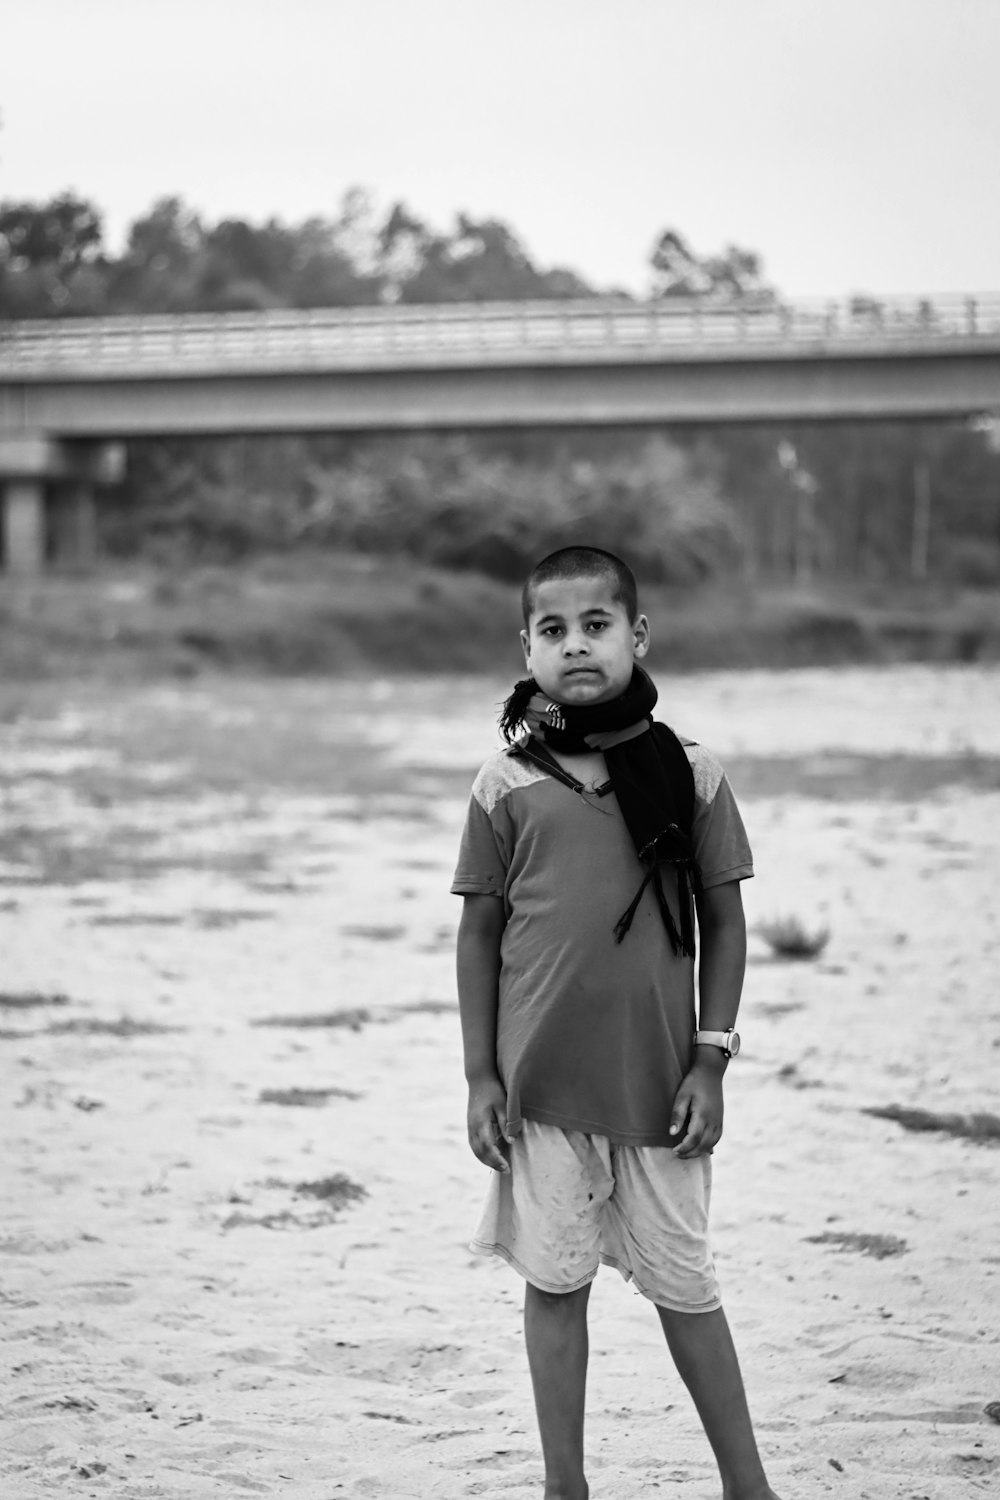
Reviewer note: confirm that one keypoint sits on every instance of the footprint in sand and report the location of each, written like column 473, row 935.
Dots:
column 252, row 1354
column 243, row 1482
column 878, row 1375
column 476, row 1398
column 105, row 1293
column 500, row 1458
column 962, row 1416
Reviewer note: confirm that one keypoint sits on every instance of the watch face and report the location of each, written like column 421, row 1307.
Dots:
column 734, row 1043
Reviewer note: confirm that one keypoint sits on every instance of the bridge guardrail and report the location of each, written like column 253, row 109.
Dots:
column 485, row 334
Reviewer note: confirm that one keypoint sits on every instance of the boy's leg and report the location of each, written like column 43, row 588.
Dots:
column 555, row 1333
column 705, row 1356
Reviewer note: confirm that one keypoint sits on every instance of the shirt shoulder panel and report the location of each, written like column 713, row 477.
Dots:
column 707, row 771
column 503, row 773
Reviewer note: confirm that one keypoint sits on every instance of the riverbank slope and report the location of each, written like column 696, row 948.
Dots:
column 299, row 614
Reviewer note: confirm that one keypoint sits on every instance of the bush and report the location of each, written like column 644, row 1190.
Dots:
column 788, row 937
column 974, row 561
column 451, row 505
column 445, row 501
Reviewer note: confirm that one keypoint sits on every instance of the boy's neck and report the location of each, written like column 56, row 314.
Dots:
column 590, row 768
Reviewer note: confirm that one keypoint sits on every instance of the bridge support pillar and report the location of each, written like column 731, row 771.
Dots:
column 24, row 526
column 48, row 500
column 73, row 525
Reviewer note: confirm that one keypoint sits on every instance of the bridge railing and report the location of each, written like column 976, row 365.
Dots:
column 484, row 334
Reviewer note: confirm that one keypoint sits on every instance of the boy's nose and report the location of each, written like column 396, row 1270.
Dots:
column 575, row 644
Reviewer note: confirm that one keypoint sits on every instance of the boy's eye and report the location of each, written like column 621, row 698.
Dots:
column 550, row 630
column 598, row 625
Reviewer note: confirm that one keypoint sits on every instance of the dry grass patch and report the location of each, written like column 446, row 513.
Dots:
column 336, row 1190
column 878, row 1246
column 30, row 1000
column 304, row 1098
column 789, row 1074
column 327, row 1198
column 135, row 919
column 427, row 1008
column 374, row 933
column 124, row 1026
column 354, row 1019
column 984, row 1129
column 790, row 938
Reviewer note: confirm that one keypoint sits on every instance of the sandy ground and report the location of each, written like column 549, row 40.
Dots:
column 214, row 1282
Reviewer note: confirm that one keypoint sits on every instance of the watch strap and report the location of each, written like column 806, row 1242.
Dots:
column 720, row 1039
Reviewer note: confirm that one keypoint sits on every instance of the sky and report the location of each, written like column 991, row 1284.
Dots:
column 854, row 144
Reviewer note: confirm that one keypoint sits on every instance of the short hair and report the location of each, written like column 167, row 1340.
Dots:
column 583, row 562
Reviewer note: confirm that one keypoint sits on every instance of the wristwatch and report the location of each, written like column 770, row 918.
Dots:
column 728, row 1041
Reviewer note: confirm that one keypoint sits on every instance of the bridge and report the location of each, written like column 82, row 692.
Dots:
column 71, row 390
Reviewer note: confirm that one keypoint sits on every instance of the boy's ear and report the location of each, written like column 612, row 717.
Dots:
column 526, row 647
column 640, row 635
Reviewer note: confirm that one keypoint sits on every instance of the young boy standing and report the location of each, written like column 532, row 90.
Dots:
column 597, row 1103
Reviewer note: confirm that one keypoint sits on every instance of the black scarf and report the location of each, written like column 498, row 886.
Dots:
column 650, row 775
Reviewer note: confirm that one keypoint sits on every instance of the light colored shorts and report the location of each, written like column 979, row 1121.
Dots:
column 571, row 1201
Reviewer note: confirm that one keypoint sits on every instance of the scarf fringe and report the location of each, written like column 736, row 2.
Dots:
column 680, row 942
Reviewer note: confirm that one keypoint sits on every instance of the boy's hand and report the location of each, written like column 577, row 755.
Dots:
column 698, row 1105
column 487, row 1120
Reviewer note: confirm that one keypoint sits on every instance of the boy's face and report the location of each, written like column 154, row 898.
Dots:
column 580, row 644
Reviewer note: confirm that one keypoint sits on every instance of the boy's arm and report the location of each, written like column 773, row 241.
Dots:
column 479, row 934
column 723, row 940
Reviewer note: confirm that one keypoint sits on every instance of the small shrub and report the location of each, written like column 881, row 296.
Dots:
column 974, row 561
column 788, row 937
column 336, row 1190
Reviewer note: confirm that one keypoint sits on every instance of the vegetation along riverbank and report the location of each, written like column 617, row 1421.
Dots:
column 347, row 614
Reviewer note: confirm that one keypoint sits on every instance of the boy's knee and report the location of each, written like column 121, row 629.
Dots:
column 557, row 1303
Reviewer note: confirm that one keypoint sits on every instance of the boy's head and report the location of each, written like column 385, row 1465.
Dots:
column 582, row 562
column 582, row 628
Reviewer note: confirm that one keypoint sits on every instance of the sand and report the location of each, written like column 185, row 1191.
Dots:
column 233, row 1255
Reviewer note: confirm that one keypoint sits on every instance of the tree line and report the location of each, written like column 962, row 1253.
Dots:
column 878, row 501
column 55, row 262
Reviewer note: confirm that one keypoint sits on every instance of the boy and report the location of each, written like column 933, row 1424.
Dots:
column 588, row 840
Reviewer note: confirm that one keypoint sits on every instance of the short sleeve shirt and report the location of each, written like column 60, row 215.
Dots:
column 592, row 1034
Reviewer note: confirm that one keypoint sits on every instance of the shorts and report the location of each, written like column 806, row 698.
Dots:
column 571, row 1201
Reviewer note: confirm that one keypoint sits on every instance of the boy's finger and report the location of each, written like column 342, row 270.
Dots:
column 700, row 1146
column 691, row 1143
column 490, row 1150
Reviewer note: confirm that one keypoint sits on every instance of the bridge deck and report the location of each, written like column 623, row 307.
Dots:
column 492, row 335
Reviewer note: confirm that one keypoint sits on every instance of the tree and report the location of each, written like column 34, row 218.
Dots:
column 162, row 261
column 48, row 252
column 478, row 260
column 729, row 276
column 245, row 266
column 403, row 243
column 323, row 271
column 59, row 235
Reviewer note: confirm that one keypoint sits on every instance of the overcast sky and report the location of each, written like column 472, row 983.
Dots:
column 854, row 143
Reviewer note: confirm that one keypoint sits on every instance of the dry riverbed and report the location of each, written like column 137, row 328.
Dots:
column 237, row 1189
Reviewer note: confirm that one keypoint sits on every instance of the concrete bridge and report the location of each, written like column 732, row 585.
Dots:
column 72, row 390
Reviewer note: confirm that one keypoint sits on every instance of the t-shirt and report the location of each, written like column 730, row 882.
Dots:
column 592, row 1034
